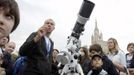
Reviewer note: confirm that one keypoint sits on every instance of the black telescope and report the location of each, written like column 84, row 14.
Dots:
column 83, row 16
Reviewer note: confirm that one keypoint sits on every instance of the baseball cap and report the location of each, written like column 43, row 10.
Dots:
column 96, row 55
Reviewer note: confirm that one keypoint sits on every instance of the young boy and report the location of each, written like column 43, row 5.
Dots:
column 9, row 17
column 97, row 63
column 9, row 20
column 130, row 58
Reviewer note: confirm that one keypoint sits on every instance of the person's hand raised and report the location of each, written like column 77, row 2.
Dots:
column 41, row 32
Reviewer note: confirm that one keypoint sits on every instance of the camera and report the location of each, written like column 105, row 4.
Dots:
column 69, row 56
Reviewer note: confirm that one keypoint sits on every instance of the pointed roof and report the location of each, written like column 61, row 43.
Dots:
column 96, row 27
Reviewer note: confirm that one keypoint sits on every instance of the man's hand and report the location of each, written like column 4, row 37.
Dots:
column 40, row 33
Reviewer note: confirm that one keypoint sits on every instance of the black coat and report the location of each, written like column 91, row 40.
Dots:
column 131, row 62
column 7, row 63
column 55, row 69
column 38, row 61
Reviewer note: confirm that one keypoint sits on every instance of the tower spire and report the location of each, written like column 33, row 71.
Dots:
column 96, row 27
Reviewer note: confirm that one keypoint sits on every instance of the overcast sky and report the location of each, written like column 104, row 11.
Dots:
column 115, row 18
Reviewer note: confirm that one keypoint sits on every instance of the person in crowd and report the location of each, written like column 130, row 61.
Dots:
column 55, row 69
column 96, row 63
column 9, row 17
column 116, row 55
column 10, row 47
column 84, row 58
column 9, row 21
column 38, row 49
column 130, row 58
column 54, row 56
column 3, row 41
column 107, row 65
column 7, row 61
column 14, row 56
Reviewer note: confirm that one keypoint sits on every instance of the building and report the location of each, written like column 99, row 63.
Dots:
column 97, row 38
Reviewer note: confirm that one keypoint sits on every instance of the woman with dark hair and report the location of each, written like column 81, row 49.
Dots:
column 54, row 62
column 84, row 58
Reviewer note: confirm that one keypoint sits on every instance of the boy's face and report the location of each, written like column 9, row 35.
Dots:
column 97, row 62
column 130, row 49
column 6, row 22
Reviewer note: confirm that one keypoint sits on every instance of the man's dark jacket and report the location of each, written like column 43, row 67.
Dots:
column 38, row 61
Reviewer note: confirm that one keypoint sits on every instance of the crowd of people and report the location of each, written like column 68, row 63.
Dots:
column 40, row 57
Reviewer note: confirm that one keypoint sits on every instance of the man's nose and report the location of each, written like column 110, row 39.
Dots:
column 49, row 25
